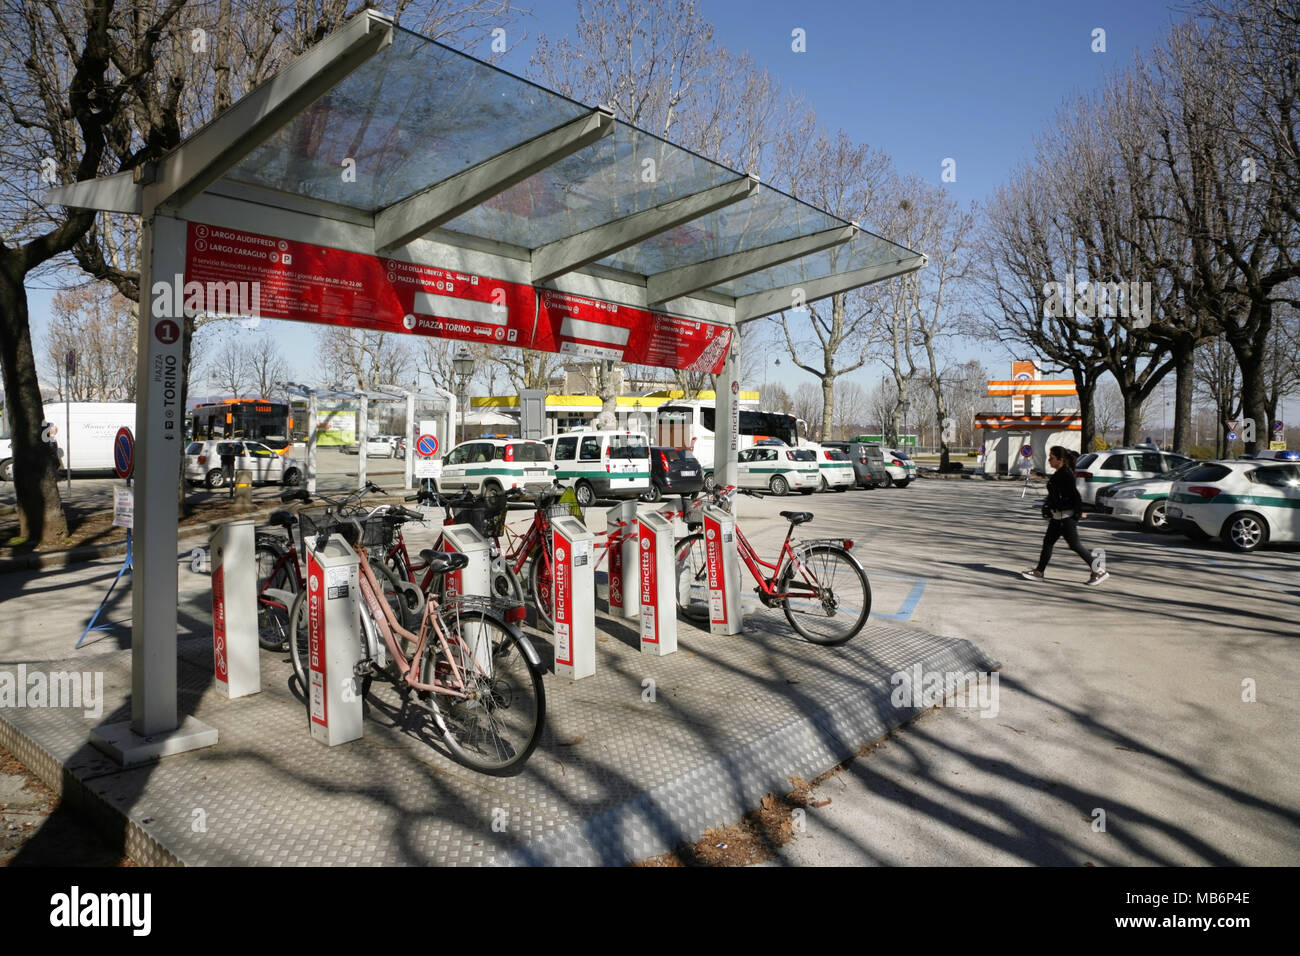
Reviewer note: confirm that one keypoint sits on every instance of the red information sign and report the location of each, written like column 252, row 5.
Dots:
column 649, row 586
column 219, row 626
column 310, row 283
column 317, row 706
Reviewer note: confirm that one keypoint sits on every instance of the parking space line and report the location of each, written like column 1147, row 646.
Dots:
column 909, row 603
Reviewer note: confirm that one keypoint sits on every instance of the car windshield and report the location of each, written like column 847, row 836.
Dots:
column 802, row 454
column 195, row 448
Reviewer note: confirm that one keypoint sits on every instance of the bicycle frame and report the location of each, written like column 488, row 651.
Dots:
column 390, row 630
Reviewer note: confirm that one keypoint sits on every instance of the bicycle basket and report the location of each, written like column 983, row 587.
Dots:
column 318, row 521
column 378, row 532
column 486, row 517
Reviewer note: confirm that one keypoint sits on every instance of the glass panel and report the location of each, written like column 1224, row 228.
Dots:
column 590, row 450
column 404, row 131
column 864, row 251
column 564, row 448
column 600, row 184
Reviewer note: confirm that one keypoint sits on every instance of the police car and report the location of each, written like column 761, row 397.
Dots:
column 1244, row 503
column 835, row 467
column 487, row 465
column 779, row 469
column 601, row 464
column 1142, row 500
column 1096, row 470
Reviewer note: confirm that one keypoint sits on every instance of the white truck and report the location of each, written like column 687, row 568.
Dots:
column 92, row 427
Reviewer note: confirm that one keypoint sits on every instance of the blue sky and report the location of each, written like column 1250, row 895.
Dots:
column 923, row 81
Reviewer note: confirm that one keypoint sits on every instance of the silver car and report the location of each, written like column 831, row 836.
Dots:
column 203, row 462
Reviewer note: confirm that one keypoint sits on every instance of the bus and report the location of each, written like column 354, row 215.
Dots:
column 690, row 425
column 254, row 418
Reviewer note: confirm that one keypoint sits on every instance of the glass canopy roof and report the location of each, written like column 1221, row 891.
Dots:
column 416, row 114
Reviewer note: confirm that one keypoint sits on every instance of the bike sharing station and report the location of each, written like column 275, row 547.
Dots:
column 485, row 209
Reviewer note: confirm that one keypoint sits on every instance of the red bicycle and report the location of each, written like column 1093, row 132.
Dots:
column 820, row 586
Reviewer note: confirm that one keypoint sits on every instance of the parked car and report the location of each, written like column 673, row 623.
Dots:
column 1244, row 503
column 1143, row 500
column 486, row 465
column 673, row 471
column 899, row 469
column 203, row 462
column 836, row 470
column 1095, row 470
column 1275, row 454
column 94, row 425
column 868, row 470
column 601, row 464
column 381, row 446
column 778, row 469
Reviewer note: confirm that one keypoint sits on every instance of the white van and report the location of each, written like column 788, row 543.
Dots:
column 601, row 464
column 93, row 427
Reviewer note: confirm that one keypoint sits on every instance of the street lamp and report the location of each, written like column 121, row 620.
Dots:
column 463, row 364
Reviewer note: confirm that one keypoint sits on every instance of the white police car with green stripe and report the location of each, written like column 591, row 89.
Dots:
column 1095, row 470
column 601, row 464
column 1143, row 500
column 1245, row 503
column 778, row 469
column 486, row 465
column 835, row 467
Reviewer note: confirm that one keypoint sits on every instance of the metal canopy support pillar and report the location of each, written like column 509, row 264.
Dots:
column 412, row 217
column 363, row 438
column 155, row 728
column 759, row 304
column 672, row 283
column 574, row 252
column 726, row 420
column 313, row 423
column 409, row 462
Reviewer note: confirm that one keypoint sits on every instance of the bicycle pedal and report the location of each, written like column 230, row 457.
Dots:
column 364, row 668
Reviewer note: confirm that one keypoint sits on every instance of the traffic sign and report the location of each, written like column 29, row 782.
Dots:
column 1232, row 436
column 426, row 446
column 1278, row 426
column 124, row 452
column 1027, row 451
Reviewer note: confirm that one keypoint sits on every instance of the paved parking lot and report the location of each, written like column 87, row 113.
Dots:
column 1160, row 706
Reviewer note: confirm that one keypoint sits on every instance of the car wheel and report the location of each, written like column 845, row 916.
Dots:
column 7, row 470
column 1155, row 519
column 653, row 493
column 1244, row 532
column 888, row 482
column 709, row 483
column 292, row 477
column 214, row 478
column 586, row 497
column 779, row 485
column 823, row 485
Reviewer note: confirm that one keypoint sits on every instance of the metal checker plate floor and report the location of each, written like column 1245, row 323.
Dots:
column 616, row 778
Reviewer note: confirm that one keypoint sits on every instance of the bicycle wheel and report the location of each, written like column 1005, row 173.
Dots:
column 831, row 596
column 540, row 584
column 275, row 579
column 298, row 649
column 390, row 585
column 692, row 577
column 498, row 725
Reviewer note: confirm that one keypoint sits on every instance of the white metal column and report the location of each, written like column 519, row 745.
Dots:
column 726, row 430
column 155, row 728
column 363, row 439
column 313, row 422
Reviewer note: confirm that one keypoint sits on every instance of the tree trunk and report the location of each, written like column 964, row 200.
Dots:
column 1132, row 414
column 826, row 433
column 1250, row 352
column 35, row 467
column 1184, row 353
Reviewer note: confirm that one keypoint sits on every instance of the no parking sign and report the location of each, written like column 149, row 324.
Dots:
column 427, row 462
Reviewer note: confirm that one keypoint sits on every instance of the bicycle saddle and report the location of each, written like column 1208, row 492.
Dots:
column 440, row 562
column 284, row 519
column 797, row 517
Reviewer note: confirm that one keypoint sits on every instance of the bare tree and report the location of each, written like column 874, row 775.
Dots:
column 775, row 398
column 228, row 369
column 98, row 326
column 808, row 404
column 356, row 358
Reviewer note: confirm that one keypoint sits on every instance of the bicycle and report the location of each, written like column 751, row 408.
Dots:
column 478, row 676
column 820, row 586
column 280, row 580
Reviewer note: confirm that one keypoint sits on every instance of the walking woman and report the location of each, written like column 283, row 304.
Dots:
column 1063, row 509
